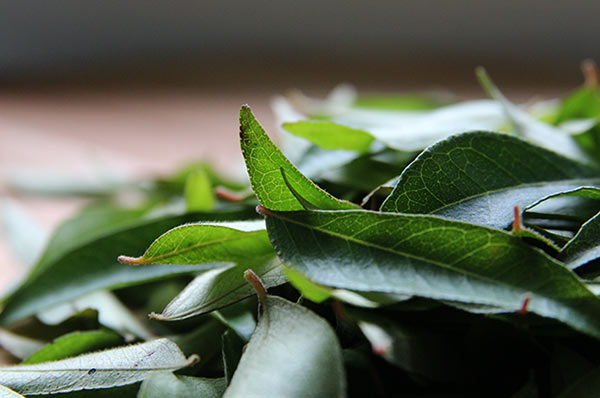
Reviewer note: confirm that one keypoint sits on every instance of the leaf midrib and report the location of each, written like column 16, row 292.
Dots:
column 412, row 256
column 245, row 235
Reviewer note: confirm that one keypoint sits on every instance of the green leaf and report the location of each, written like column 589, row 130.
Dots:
column 538, row 132
column 479, row 177
column 584, row 246
column 264, row 163
column 331, row 136
column 93, row 265
column 165, row 384
column 111, row 368
column 405, row 102
column 237, row 242
column 431, row 257
column 75, row 343
column 293, row 353
column 218, row 288
column 198, row 192
column 582, row 104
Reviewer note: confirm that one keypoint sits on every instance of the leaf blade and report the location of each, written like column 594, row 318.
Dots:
column 264, row 163
column 430, row 257
column 111, row 368
column 479, row 177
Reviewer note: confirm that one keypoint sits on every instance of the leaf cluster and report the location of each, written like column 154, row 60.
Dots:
column 394, row 246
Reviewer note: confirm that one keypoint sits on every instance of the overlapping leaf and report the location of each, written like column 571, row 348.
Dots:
column 111, row 368
column 71, row 269
column 293, row 353
column 266, row 166
column 479, row 177
column 431, row 257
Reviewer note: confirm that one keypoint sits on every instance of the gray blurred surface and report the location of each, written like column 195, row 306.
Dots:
column 42, row 36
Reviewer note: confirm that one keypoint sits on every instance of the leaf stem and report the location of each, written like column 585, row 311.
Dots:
column 590, row 73
column 255, row 281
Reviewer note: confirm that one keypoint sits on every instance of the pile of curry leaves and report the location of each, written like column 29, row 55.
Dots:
column 397, row 246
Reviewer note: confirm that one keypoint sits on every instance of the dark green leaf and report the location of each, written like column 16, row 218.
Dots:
column 232, row 349
column 264, row 163
column 293, row 353
column 431, row 257
column 585, row 245
column 479, row 177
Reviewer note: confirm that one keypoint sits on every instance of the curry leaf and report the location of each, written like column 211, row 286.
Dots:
column 479, row 177
column 289, row 341
column 169, row 385
column 264, row 163
column 330, row 135
column 218, row 288
column 93, row 265
column 111, row 368
column 430, row 257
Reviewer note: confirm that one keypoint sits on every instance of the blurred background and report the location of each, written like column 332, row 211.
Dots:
column 135, row 88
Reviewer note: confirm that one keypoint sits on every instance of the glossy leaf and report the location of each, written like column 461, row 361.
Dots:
column 265, row 162
column 169, row 385
column 584, row 246
column 430, row 257
column 479, row 177
column 111, row 368
column 90, row 266
column 289, row 341
column 218, row 288
column 244, row 242
column 75, row 343
column 331, row 136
